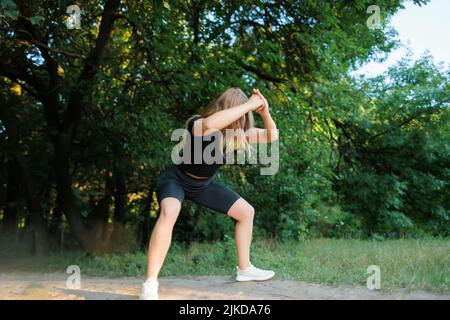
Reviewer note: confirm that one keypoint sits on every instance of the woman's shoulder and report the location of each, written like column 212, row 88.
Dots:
column 194, row 117
column 191, row 120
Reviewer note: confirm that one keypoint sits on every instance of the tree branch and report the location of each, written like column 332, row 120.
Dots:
column 49, row 96
column 91, row 65
column 261, row 73
column 401, row 124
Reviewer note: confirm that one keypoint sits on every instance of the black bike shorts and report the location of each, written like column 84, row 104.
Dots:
column 173, row 182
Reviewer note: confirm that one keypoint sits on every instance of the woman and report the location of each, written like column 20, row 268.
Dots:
column 193, row 179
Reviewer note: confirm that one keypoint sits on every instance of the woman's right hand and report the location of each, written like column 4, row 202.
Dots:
column 255, row 102
column 265, row 108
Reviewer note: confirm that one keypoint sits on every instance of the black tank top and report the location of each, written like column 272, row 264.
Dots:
column 195, row 162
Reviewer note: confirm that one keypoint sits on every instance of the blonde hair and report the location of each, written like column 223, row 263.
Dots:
column 227, row 99
column 230, row 98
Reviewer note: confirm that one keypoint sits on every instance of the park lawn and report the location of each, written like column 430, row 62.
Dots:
column 406, row 263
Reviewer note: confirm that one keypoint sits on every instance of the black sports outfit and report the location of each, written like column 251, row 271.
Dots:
column 174, row 182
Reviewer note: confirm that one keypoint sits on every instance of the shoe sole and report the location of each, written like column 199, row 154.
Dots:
column 245, row 279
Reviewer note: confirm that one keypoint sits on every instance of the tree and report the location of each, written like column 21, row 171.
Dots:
column 98, row 104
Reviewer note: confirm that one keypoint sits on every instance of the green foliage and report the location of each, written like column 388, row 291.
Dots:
column 8, row 9
column 358, row 157
column 396, row 151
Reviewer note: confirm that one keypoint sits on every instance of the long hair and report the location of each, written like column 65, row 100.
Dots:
column 230, row 98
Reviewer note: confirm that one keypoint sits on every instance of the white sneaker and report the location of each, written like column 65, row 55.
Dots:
column 253, row 274
column 149, row 290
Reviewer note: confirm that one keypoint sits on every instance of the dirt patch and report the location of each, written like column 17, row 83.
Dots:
column 53, row 286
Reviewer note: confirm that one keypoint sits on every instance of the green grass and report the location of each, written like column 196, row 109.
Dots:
column 411, row 264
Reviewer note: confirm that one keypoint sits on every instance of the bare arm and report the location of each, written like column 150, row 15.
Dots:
column 223, row 118
column 270, row 131
column 266, row 135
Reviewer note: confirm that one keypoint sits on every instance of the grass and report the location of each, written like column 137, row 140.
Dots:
column 410, row 264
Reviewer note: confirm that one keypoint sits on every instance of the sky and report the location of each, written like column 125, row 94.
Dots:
column 420, row 28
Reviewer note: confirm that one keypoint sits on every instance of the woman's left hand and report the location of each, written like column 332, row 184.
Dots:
column 264, row 109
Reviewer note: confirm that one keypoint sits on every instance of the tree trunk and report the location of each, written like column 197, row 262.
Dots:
column 98, row 220
column 10, row 218
column 146, row 225
column 66, row 130
column 41, row 243
column 119, row 198
column 38, row 224
column 65, row 196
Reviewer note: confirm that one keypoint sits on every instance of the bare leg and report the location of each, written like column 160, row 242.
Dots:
column 162, row 235
column 243, row 213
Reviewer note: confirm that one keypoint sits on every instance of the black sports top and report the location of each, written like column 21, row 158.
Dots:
column 195, row 160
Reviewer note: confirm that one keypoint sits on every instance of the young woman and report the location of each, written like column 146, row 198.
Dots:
column 192, row 180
